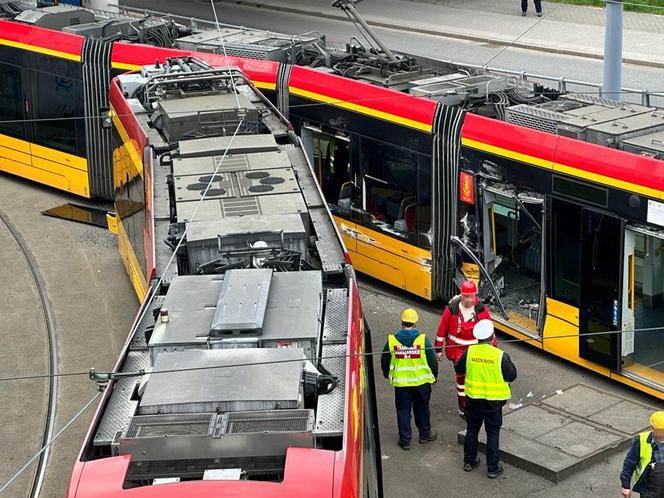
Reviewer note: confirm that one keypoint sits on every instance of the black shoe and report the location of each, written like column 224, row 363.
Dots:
column 404, row 446
column 539, row 14
column 467, row 467
column 497, row 472
column 432, row 437
column 523, row 14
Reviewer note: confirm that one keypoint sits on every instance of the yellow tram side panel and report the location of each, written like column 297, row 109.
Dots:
column 44, row 165
column 563, row 320
column 398, row 263
column 131, row 263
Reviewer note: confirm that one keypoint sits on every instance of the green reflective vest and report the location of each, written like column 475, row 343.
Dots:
column 408, row 366
column 645, row 455
column 484, row 375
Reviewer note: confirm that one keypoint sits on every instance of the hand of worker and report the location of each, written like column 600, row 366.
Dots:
column 626, row 493
column 439, row 355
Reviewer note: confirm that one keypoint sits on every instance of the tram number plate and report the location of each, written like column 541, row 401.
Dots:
column 656, row 213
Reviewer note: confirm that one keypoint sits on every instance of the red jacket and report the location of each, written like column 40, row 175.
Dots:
column 457, row 334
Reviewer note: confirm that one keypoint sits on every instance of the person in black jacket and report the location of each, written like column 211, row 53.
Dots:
column 538, row 7
column 644, row 463
column 487, row 391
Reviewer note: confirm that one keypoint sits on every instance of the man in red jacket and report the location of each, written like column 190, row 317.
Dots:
column 455, row 331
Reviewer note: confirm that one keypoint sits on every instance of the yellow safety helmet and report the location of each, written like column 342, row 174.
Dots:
column 409, row 315
column 657, row 420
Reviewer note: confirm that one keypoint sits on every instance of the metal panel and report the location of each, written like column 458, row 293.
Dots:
column 215, row 209
column 234, row 162
column 121, row 407
column 236, row 233
column 330, row 408
column 651, row 144
column 241, row 144
column 208, row 114
column 305, row 178
column 294, row 311
column 242, row 302
column 191, row 302
column 335, row 327
column 236, row 184
column 139, row 342
column 224, row 380
column 328, row 245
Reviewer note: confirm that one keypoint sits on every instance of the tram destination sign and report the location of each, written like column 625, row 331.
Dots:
column 656, row 213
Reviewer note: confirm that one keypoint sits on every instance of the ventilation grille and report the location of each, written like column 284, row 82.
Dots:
column 171, row 425
column 194, row 469
column 532, row 117
column 275, row 421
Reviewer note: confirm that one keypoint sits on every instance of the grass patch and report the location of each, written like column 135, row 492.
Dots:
column 646, row 6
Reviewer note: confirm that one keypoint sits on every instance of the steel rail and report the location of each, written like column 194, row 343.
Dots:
column 49, row 319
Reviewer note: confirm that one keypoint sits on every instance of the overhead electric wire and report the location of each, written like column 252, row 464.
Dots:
column 27, row 464
column 223, row 46
column 141, row 373
column 654, row 93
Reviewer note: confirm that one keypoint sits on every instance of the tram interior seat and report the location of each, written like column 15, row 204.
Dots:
column 345, row 196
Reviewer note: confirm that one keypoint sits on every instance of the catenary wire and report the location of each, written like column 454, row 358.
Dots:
column 27, row 464
column 320, row 358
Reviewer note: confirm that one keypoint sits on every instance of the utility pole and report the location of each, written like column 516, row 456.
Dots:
column 613, row 37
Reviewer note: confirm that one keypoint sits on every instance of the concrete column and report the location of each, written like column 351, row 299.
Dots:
column 613, row 35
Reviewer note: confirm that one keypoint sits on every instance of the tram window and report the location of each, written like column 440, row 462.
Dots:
column 424, row 185
column 11, row 102
column 58, row 124
column 331, row 161
column 565, row 251
column 390, row 189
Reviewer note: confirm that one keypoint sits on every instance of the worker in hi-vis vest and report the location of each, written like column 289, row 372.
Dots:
column 410, row 363
column 488, row 371
column 644, row 463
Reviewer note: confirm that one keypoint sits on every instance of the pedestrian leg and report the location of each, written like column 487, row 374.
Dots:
column 403, row 401
column 538, row 6
column 473, row 425
column 461, row 392
column 421, row 398
column 524, row 6
column 492, row 423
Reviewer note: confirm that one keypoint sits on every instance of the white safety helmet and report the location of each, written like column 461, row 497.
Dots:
column 483, row 329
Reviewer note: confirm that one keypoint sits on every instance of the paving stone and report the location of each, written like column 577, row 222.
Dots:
column 630, row 418
column 581, row 400
column 579, row 439
column 559, row 435
column 531, row 421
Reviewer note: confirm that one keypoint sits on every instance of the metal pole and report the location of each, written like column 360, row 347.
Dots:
column 613, row 37
column 348, row 6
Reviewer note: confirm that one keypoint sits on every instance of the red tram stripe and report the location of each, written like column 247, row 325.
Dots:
column 591, row 162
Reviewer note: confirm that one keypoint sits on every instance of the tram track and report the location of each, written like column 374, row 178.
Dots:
column 49, row 320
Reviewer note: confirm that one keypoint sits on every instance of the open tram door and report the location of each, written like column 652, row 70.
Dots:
column 642, row 355
column 600, row 288
column 513, row 252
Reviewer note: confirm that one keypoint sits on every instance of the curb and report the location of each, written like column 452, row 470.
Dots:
column 444, row 34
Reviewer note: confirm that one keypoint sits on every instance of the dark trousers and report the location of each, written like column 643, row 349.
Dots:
column 492, row 421
column 538, row 5
column 417, row 400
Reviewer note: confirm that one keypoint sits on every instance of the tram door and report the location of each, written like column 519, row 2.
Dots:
column 600, row 293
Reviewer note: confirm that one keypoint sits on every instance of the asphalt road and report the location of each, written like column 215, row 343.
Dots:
column 543, row 63
column 94, row 306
